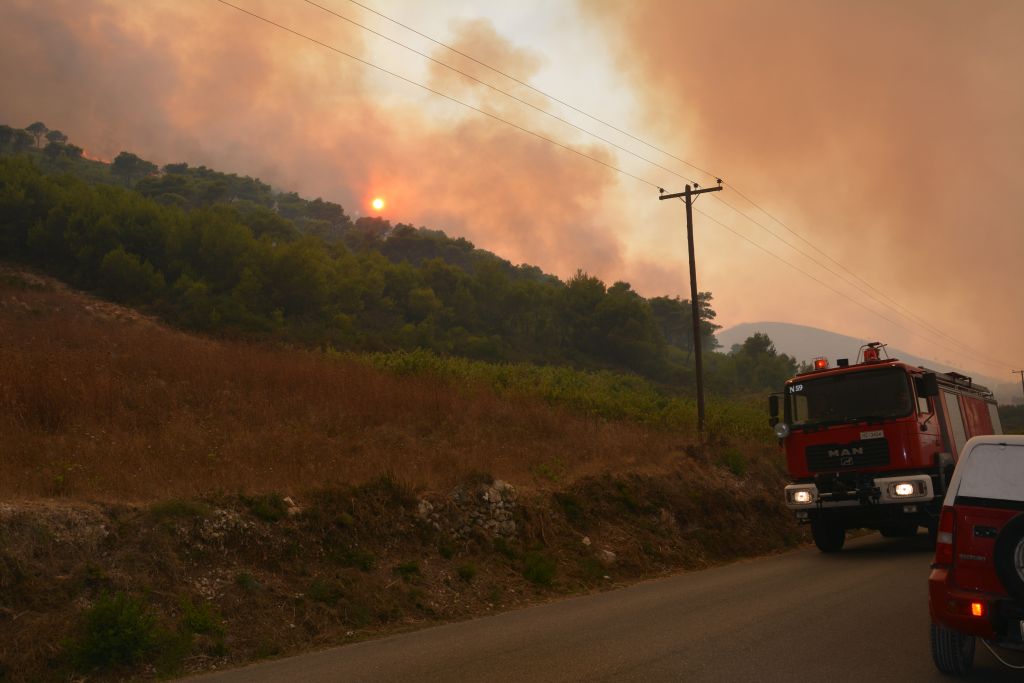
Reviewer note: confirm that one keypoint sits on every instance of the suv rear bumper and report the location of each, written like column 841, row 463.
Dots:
column 1002, row 621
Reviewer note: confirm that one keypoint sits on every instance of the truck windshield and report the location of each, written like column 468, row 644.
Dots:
column 849, row 397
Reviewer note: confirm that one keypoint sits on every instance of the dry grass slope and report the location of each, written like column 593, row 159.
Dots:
column 101, row 403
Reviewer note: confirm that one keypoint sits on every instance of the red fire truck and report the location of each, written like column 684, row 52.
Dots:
column 873, row 444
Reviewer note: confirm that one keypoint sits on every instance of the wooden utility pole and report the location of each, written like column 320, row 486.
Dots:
column 1021, row 373
column 688, row 196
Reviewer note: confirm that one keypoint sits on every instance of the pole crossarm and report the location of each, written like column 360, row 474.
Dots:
column 689, row 192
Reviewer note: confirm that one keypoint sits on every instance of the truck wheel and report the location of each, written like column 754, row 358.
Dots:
column 952, row 651
column 828, row 535
column 899, row 530
column 1009, row 557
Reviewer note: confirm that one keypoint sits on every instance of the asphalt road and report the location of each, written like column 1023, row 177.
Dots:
column 861, row 615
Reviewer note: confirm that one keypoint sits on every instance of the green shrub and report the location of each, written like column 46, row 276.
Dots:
column 269, row 508
column 117, row 630
column 734, row 461
column 570, row 505
column 201, row 618
column 247, row 582
column 539, row 569
column 467, row 572
column 627, row 496
column 446, row 548
column 407, row 570
column 326, row 591
column 553, row 470
column 390, row 488
column 351, row 557
column 505, row 548
column 179, row 509
column 125, row 277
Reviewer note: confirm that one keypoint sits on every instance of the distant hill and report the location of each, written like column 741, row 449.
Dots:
column 806, row 343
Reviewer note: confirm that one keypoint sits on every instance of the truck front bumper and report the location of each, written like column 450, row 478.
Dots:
column 906, row 489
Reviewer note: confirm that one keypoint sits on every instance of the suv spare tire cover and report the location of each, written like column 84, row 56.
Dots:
column 1009, row 539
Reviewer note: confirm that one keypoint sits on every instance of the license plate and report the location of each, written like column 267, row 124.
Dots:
column 878, row 434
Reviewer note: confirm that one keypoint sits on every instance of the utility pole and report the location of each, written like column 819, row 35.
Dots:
column 1021, row 373
column 688, row 196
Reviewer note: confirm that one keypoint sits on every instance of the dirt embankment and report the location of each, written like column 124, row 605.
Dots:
column 114, row 591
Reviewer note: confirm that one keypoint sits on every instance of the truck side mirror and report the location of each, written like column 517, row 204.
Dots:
column 927, row 385
column 773, row 410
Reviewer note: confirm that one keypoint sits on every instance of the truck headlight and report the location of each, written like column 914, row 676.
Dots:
column 801, row 495
column 781, row 430
column 904, row 489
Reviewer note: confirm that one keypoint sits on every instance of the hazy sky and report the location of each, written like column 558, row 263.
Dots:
column 887, row 134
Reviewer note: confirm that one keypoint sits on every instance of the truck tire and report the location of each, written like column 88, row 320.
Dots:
column 828, row 535
column 1009, row 557
column 899, row 530
column 952, row 651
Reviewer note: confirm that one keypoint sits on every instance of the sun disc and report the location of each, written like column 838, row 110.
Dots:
column 377, row 203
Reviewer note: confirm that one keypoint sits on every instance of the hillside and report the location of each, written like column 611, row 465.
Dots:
column 228, row 255
column 174, row 503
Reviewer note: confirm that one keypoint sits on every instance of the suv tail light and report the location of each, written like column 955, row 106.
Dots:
column 944, row 540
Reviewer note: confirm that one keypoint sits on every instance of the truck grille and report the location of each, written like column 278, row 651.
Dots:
column 841, row 456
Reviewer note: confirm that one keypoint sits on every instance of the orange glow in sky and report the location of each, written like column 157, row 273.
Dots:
column 377, row 203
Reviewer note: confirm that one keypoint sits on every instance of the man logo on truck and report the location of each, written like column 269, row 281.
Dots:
column 835, row 452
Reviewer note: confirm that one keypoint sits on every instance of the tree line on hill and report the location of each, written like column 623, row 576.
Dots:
column 224, row 254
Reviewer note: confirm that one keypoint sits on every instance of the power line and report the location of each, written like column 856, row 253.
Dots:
column 531, row 87
column 436, row 92
column 905, row 310
column 937, row 333
column 801, row 270
column 828, row 286
column 497, row 89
